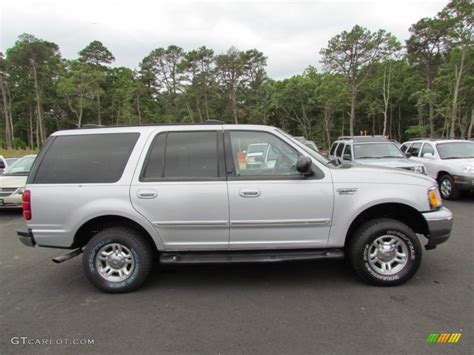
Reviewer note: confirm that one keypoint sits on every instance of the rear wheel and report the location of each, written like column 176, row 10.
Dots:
column 447, row 188
column 385, row 252
column 117, row 260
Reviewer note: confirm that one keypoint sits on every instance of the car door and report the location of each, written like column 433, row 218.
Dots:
column 275, row 207
column 181, row 188
column 429, row 162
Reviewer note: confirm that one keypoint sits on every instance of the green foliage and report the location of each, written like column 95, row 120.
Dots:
column 426, row 91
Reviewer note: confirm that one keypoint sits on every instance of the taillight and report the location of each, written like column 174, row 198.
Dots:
column 27, row 204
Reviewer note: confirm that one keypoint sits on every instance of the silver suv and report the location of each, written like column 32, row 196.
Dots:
column 449, row 161
column 372, row 150
column 184, row 194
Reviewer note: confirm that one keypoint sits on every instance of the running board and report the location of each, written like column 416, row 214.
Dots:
column 248, row 257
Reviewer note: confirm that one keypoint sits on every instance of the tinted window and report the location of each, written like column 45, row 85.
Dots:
column 339, row 150
column 404, row 147
column 156, row 158
column 347, row 150
column 427, row 148
column 414, row 149
column 91, row 158
column 333, row 148
column 186, row 155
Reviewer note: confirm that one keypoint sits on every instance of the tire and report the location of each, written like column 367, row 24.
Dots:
column 386, row 238
column 121, row 252
column 448, row 188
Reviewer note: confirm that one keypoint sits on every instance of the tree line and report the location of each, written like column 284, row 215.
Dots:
column 370, row 83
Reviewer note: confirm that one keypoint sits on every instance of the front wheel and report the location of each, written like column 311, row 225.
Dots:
column 447, row 187
column 385, row 252
column 117, row 260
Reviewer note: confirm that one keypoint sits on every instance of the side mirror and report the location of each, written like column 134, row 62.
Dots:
column 408, row 155
column 428, row 156
column 303, row 165
column 346, row 157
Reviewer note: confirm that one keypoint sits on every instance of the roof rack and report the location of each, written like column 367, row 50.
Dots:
column 208, row 122
column 359, row 139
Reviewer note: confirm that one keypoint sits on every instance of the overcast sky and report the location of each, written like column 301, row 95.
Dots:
column 289, row 33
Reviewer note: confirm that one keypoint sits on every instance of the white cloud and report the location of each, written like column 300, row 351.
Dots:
column 289, row 33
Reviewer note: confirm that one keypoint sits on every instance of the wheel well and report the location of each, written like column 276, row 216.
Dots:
column 398, row 211
column 95, row 225
column 440, row 174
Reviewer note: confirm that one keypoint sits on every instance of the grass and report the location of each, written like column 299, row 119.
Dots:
column 16, row 153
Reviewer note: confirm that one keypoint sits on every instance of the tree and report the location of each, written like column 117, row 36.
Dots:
column 97, row 55
column 77, row 85
column 353, row 54
column 161, row 70
column 6, row 104
column 458, row 17
column 40, row 59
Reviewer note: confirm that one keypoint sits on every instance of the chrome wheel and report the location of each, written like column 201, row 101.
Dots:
column 446, row 187
column 388, row 255
column 114, row 262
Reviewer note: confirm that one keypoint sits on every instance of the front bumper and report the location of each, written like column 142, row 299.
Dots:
column 439, row 223
column 26, row 237
column 464, row 182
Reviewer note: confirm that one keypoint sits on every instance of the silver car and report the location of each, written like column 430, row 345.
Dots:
column 372, row 150
column 125, row 196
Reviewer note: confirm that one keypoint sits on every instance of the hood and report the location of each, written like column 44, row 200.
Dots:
column 455, row 165
column 372, row 174
column 12, row 181
column 389, row 162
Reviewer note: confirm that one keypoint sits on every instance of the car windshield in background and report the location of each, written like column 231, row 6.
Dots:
column 456, row 150
column 257, row 148
column 376, row 151
column 21, row 167
column 308, row 150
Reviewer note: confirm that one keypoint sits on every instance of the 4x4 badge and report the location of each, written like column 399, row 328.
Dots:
column 347, row 190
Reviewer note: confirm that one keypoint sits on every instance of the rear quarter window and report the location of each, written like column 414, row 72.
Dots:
column 87, row 158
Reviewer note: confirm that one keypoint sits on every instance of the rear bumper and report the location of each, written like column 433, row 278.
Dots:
column 439, row 223
column 464, row 182
column 26, row 237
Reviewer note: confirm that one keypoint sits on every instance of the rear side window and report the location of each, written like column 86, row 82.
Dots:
column 182, row 155
column 339, row 150
column 414, row 149
column 88, row 158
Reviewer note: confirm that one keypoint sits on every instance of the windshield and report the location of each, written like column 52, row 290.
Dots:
column 376, row 151
column 456, row 150
column 256, row 148
column 308, row 150
column 21, row 167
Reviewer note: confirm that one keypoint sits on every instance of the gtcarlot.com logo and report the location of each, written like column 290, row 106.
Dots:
column 47, row 341
column 443, row 338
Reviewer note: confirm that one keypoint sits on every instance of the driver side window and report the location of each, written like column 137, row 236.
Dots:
column 262, row 154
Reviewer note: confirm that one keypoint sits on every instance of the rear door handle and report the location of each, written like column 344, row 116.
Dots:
column 249, row 193
column 147, row 194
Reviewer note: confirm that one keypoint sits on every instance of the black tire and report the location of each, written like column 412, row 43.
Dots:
column 362, row 243
column 139, row 248
column 451, row 192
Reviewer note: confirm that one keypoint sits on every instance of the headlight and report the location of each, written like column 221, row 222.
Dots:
column 468, row 169
column 434, row 198
column 419, row 169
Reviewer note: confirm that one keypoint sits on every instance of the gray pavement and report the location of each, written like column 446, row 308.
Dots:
column 304, row 307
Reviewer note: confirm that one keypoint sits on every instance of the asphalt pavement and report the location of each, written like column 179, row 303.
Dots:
column 291, row 308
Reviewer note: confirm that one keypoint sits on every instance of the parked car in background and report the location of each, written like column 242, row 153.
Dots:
column 309, row 144
column 3, row 164
column 13, row 181
column 450, row 162
column 372, row 150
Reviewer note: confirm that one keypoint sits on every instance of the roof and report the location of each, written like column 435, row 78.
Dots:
column 148, row 128
column 435, row 140
column 364, row 139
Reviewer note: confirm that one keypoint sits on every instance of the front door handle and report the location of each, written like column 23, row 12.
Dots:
column 249, row 193
column 147, row 194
